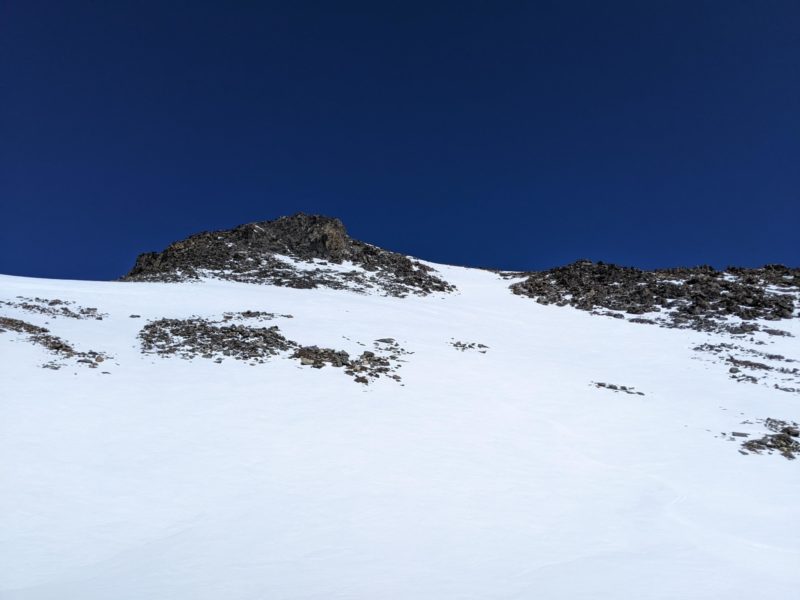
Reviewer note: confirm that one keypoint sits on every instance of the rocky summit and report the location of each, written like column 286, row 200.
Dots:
column 299, row 251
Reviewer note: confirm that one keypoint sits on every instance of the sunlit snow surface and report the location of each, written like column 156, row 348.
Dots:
column 497, row 475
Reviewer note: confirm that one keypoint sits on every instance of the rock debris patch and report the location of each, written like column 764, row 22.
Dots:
column 370, row 365
column 54, row 307
column 626, row 389
column 41, row 336
column 198, row 337
column 314, row 356
column 784, row 439
column 225, row 338
column 749, row 365
column 366, row 366
column 699, row 298
column 320, row 253
column 464, row 346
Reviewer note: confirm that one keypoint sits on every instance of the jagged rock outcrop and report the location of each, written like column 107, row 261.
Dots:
column 699, row 297
column 255, row 253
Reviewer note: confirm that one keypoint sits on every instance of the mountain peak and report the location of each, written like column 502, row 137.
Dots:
column 302, row 236
column 301, row 250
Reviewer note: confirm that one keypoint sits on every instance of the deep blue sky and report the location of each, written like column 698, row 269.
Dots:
column 505, row 134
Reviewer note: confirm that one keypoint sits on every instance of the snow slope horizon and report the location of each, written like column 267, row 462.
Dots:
column 480, row 475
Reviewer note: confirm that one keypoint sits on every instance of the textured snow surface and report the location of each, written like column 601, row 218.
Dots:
column 497, row 475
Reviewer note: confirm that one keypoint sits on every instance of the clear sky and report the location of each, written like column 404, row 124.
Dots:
column 518, row 135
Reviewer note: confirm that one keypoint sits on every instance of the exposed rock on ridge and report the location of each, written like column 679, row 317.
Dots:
column 252, row 253
column 699, row 298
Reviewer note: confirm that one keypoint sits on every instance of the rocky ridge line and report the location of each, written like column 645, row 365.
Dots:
column 700, row 298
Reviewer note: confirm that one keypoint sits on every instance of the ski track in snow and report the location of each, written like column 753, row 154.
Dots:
column 497, row 475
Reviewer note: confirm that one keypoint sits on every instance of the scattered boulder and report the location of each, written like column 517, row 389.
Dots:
column 617, row 388
column 464, row 346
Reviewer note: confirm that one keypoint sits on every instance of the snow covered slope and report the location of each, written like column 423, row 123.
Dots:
column 494, row 466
